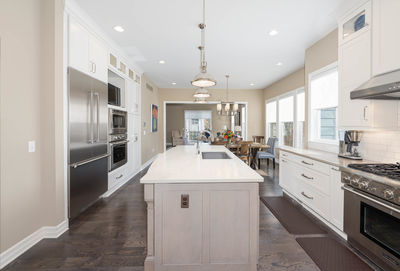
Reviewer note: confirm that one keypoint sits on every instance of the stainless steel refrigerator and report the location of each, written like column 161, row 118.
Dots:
column 88, row 149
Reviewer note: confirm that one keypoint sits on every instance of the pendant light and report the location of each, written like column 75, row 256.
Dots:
column 201, row 93
column 227, row 108
column 203, row 79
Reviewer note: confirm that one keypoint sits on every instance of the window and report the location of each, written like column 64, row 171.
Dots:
column 323, row 104
column 197, row 121
column 285, row 118
column 272, row 130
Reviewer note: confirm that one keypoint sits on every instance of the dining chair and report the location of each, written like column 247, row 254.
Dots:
column 269, row 153
column 244, row 152
column 258, row 139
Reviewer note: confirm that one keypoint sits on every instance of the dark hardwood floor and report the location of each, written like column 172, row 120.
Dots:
column 111, row 235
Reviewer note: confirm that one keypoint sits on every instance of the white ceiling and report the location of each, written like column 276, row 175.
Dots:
column 237, row 40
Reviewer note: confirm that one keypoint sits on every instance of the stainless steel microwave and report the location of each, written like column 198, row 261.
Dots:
column 114, row 95
column 117, row 122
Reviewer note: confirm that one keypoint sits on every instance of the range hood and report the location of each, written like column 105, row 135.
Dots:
column 385, row 86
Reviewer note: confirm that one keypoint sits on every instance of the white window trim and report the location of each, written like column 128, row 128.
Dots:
column 276, row 99
column 321, row 144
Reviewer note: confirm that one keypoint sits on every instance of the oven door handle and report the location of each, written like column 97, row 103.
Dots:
column 119, row 142
column 351, row 190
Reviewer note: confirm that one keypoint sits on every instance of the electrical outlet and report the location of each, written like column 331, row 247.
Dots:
column 31, row 146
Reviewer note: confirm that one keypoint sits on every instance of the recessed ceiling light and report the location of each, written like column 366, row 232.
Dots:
column 279, row 64
column 119, row 28
column 174, row 83
column 251, row 84
column 273, row 32
column 161, row 62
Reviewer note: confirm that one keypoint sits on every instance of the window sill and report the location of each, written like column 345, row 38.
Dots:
column 324, row 146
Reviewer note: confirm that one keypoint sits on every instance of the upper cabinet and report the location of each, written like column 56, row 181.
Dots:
column 86, row 53
column 368, row 45
column 385, row 36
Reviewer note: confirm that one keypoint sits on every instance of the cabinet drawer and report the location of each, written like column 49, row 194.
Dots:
column 287, row 156
column 314, row 199
column 314, row 178
column 116, row 176
column 312, row 164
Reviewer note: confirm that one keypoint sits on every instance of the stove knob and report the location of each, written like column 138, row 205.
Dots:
column 363, row 185
column 388, row 194
column 355, row 181
column 346, row 179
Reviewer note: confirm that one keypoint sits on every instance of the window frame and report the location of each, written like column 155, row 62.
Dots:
column 276, row 99
column 315, row 74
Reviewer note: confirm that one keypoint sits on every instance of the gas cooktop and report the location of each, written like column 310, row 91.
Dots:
column 387, row 170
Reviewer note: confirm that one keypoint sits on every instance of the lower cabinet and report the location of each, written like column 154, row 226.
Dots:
column 116, row 176
column 316, row 185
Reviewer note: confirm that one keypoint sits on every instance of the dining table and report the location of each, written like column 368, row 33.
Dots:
column 254, row 148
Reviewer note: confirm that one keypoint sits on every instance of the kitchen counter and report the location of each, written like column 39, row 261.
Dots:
column 182, row 164
column 324, row 157
column 202, row 214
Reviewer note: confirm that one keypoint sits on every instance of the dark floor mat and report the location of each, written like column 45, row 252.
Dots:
column 294, row 221
column 329, row 255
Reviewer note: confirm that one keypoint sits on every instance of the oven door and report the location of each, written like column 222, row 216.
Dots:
column 373, row 227
column 117, row 122
column 119, row 154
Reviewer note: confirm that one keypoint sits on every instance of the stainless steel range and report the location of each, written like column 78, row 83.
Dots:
column 372, row 211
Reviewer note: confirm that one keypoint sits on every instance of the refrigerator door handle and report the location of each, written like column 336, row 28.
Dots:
column 91, row 140
column 97, row 95
column 75, row 165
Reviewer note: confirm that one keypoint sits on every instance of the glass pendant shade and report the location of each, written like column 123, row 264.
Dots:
column 203, row 80
column 235, row 107
column 200, row 100
column 219, row 107
column 227, row 107
column 201, row 93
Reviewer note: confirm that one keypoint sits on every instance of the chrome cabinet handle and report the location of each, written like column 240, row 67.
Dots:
column 284, row 154
column 304, row 194
column 365, row 113
column 120, row 176
column 97, row 115
column 305, row 176
column 91, row 140
column 304, row 162
column 284, row 161
column 335, row 169
column 89, row 161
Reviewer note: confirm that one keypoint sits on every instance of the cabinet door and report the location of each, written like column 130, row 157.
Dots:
column 132, row 96
column 98, row 56
column 354, row 70
column 336, row 198
column 286, row 176
column 78, row 45
column 386, row 38
column 134, row 143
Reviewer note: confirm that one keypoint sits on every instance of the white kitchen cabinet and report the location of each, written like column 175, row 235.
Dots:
column 286, row 174
column 385, row 36
column 336, row 198
column 86, row 53
column 117, row 176
column 132, row 95
column 354, row 70
column 134, row 162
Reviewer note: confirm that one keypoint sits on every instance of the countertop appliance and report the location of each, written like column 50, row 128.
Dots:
column 385, row 86
column 348, row 142
column 372, row 211
column 114, row 95
column 119, row 151
column 117, row 121
column 88, row 148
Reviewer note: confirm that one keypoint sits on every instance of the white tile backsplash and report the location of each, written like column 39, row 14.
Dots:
column 381, row 146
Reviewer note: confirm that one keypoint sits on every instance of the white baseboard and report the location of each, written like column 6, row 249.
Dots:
column 19, row 248
column 148, row 163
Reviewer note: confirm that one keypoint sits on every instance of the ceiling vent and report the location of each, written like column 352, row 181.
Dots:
column 149, row 87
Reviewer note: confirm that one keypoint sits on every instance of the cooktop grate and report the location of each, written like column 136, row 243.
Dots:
column 387, row 170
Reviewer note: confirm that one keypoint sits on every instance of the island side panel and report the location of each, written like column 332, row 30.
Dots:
column 218, row 231
column 149, row 199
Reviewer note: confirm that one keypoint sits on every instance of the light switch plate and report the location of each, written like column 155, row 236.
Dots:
column 31, row 146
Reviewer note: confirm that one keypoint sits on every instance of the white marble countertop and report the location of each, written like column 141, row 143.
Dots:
column 182, row 164
column 324, row 157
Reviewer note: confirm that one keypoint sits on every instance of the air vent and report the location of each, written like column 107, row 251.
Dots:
column 149, row 87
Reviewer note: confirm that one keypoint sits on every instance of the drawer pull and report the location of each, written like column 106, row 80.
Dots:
column 304, row 194
column 284, row 154
column 120, row 176
column 305, row 176
column 284, row 161
column 335, row 169
column 304, row 162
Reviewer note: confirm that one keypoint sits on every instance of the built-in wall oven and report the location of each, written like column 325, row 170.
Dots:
column 371, row 222
column 117, row 121
column 118, row 151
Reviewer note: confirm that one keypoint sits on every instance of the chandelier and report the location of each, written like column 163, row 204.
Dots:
column 203, row 79
column 227, row 108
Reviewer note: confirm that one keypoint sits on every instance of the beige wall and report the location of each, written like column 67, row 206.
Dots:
column 291, row 82
column 32, row 184
column 150, row 140
column 175, row 118
column 255, row 99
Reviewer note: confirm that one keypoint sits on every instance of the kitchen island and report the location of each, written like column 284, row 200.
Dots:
column 202, row 214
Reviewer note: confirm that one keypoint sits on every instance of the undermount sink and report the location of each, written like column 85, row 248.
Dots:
column 215, row 155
